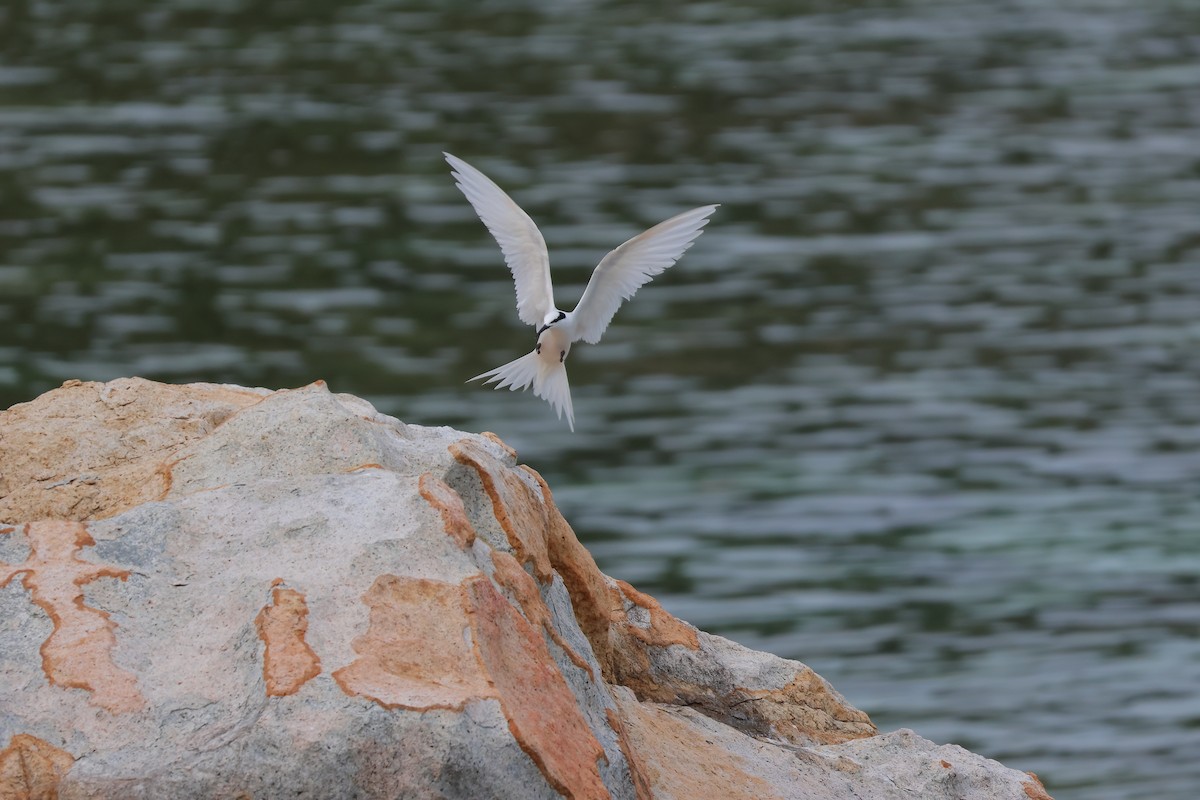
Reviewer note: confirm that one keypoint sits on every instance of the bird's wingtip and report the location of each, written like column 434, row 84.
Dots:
column 701, row 212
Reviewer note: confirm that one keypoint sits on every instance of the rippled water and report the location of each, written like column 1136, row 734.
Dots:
column 920, row 408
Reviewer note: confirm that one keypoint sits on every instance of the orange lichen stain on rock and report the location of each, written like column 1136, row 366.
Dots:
column 88, row 451
column 31, row 769
column 512, row 577
column 78, row 653
column 166, row 474
column 641, row 785
column 946, row 764
column 680, row 764
column 543, row 714
column 447, row 502
column 361, row 467
column 414, row 654
column 806, row 710
column 664, row 629
column 541, row 536
column 543, row 539
column 1035, row 789
column 288, row 661
column 517, row 507
column 596, row 606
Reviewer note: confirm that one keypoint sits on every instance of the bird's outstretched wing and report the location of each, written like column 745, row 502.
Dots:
column 520, row 240
column 623, row 271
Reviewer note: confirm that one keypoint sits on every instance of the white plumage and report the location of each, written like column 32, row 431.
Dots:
column 617, row 278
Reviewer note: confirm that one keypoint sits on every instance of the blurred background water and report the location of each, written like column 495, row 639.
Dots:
column 920, row 408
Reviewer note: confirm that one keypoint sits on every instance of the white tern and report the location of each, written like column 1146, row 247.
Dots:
column 616, row 278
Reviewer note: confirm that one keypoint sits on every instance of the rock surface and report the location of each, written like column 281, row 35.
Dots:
column 212, row 591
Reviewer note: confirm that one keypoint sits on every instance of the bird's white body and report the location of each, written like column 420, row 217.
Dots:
column 618, row 276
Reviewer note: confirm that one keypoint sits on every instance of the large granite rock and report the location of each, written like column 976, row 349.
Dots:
column 217, row 592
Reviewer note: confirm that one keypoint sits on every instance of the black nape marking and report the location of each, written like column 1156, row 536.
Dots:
column 561, row 356
column 538, row 349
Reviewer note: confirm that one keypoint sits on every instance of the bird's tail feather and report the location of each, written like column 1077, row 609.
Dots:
column 552, row 387
column 514, row 375
column 549, row 381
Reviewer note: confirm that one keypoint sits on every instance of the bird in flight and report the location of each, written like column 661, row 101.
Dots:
column 616, row 278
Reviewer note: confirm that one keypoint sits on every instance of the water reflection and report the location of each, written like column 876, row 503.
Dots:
column 919, row 409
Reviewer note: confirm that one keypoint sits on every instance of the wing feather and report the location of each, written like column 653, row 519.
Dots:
column 625, row 270
column 519, row 238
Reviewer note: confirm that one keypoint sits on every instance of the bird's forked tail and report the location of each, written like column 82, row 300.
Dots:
column 549, row 379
